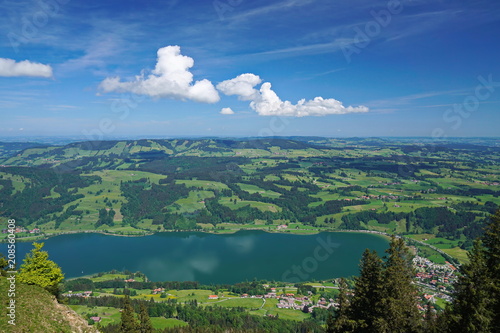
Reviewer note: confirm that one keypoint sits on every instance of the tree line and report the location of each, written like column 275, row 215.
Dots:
column 384, row 298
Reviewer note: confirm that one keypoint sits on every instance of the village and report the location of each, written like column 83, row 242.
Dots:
column 292, row 301
column 21, row 230
column 436, row 280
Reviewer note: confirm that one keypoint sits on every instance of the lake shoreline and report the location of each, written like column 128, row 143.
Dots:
column 223, row 232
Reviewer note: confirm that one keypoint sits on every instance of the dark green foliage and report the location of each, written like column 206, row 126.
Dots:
column 93, row 145
column 145, row 325
column 448, row 221
column 146, row 200
column 294, row 203
column 186, row 167
column 365, row 216
column 472, row 304
column 6, row 187
column 251, row 288
column 476, row 307
column 246, row 214
column 78, row 284
column 304, row 289
column 385, row 298
column 399, row 294
column 33, row 202
column 179, row 222
column 343, row 320
column 321, row 315
column 128, row 321
column 366, row 307
column 430, row 323
column 427, row 219
column 3, row 264
column 105, row 217
column 330, row 323
column 8, row 149
column 120, row 283
column 491, row 241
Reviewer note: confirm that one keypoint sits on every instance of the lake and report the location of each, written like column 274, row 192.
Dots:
column 212, row 258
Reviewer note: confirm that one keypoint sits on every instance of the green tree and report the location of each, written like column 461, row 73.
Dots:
column 476, row 305
column 330, row 323
column 365, row 304
column 471, row 306
column 3, row 264
column 399, row 294
column 145, row 325
column 342, row 321
column 430, row 324
column 128, row 322
column 491, row 240
column 38, row 269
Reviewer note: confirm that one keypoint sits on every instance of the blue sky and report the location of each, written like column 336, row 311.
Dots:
column 249, row 68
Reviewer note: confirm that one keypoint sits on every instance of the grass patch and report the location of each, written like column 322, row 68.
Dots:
column 249, row 303
column 161, row 323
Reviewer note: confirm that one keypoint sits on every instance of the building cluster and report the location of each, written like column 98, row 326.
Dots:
column 435, row 277
column 21, row 229
column 81, row 294
column 291, row 301
column 379, row 197
column 157, row 291
column 388, row 184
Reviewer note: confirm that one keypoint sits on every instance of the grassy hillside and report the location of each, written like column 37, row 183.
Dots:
column 38, row 311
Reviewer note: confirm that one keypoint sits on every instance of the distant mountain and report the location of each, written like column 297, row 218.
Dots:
column 9, row 149
column 33, row 155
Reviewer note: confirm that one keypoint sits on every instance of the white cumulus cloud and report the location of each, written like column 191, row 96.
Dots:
column 267, row 103
column 171, row 78
column 242, row 86
column 11, row 68
column 226, row 111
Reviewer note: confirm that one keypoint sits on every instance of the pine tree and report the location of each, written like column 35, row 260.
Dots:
column 128, row 321
column 430, row 320
column 476, row 306
column 399, row 294
column 145, row 325
column 342, row 321
column 365, row 305
column 38, row 269
column 471, row 305
column 330, row 323
column 491, row 240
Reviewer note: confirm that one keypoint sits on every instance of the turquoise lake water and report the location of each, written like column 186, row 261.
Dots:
column 212, row 258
